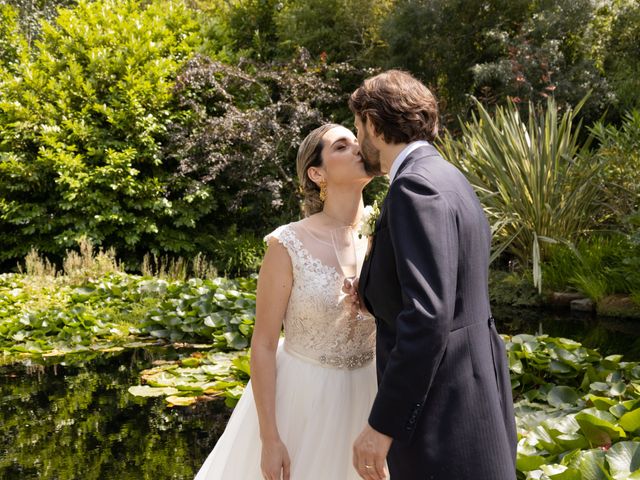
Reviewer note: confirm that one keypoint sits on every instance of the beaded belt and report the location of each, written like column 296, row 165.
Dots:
column 350, row 362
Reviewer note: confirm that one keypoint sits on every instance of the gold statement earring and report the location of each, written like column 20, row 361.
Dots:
column 323, row 191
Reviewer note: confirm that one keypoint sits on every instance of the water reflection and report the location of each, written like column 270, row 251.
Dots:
column 608, row 335
column 77, row 421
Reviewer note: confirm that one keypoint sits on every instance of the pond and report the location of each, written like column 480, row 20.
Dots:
column 76, row 420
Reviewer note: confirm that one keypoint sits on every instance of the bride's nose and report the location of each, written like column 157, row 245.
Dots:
column 356, row 149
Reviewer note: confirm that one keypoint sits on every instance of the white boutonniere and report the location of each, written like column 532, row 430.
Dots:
column 368, row 221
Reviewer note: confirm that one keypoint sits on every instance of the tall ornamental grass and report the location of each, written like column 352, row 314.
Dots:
column 534, row 176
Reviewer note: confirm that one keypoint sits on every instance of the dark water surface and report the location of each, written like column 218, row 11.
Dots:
column 608, row 335
column 77, row 420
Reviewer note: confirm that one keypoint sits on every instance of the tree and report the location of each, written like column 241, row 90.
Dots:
column 523, row 50
column 334, row 30
column 622, row 60
column 238, row 136
column 549, row 54
column 12, row 42
column 618, row 155
column 31, row 14
column 441, row 40
column 82, row 125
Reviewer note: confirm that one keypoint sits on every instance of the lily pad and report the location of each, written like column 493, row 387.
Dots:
column 624, row 459
column 561, row 395
column 631, row 421
column 148, row 391
column 175, row 401
column 599, row 427
column 591, row 464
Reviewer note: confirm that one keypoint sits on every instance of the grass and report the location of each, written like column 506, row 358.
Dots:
column 88, row 262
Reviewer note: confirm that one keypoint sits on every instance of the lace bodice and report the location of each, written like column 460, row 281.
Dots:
column 318, row 326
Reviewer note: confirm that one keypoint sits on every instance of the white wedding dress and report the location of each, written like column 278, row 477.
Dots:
column 326, row 379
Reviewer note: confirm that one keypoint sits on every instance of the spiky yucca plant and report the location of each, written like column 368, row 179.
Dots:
column 533, row 175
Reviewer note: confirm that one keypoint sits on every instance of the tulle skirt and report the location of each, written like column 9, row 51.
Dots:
column 320, row 412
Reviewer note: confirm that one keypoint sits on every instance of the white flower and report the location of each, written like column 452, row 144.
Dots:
column 368, row 220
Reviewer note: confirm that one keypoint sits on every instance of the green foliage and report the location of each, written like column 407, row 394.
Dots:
column 82, row 125
column 441, row 40
column 571, row 403
column 55, row 318
column 252, row 27
column 32, row 13
column 535, row 179
column 618, row 154
column 12, row 42
column 78, row 266
column 622, row 56
column 111, row 135
column 171, row 268
column 334, row 30
column 52, row 316
column 219, row 311
column 202, row 376
column 577, row 413
column 376, row 191
column 609, row 263
column 214, row 35
column 548, row 53
column 513, row 289
column 524, row 50
column 266, row 30
column 597, row 266
column 111, row 128
column 232, row 31
column 235, row 147
column 238, row 254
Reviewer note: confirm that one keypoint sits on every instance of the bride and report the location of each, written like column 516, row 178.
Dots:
column 310, row 393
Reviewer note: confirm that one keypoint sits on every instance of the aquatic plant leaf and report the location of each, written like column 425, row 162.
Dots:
column 175, row 401
column 601, row 403
column 149, row 391
column 561, row 395
column 631, row 421
column 591, row 464
column 527, row 462
column 599, row 427
column 624, row 459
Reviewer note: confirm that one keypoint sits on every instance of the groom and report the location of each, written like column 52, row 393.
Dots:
column 444, row 409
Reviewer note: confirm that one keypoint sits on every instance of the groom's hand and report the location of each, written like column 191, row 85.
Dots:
column 370, row 453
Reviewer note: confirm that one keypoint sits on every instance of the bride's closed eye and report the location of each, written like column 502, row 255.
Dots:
column 340, row 146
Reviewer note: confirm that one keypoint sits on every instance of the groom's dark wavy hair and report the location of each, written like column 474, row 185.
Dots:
column 398, row 105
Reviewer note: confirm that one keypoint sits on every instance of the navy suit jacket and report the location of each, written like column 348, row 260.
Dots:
column 444, row 388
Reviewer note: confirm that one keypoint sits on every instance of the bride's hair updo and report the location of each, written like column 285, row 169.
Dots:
column 310, row 155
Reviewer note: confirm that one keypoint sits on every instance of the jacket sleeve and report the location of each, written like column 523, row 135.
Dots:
column 424, row 238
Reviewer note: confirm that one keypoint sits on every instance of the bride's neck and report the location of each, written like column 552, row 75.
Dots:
column 345, row 209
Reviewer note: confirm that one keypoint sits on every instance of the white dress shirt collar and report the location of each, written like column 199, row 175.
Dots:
column 402, row 156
